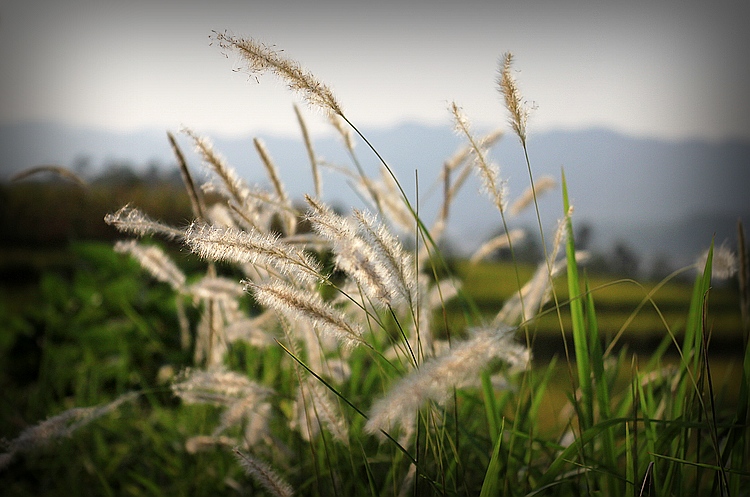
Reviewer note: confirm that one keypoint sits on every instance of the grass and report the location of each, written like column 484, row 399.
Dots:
column 345, row 364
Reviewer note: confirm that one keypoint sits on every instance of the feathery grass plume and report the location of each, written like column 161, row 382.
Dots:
column 258, row 210
column 356, row 257
column 242, row 247
column 264, row 475
column 251, row 330
column 317, row 180
column 455, row 162
column 216, row 287
column 199, row 443
column 344, row 131
column 155, row 261
column 288, row 213
column 220, row 215
column 306, row 333
column 60, row 171
column 258, row 425
column 541, row 185
column 233, row 186
column 498, row 242
column 519, row 114
column 302, row 304
column 249, row 412
column 431, row 299
column 524, row 305
column 210, row 341
column 529, row 300
column 59, row 426
column 184, row 324
column 724, row 263
column 196, row 199
column 435, row 379
column 386, row 197
column 131, row 220
column 391, row 202
column 260, row 58
column 217, row 387
column 488, row 172
column 394, row 262
column 315, row 408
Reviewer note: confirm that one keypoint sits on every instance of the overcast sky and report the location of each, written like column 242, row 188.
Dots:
column 662, row 69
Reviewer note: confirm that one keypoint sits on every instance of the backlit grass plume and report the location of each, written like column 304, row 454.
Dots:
column 506, row 82
column 459, row 367
column 260, row 58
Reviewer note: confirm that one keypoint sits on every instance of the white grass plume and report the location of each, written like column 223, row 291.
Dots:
column 233, row 186
column 459, row 161
column 217, row 387
column 216, row 287
column 386, row 197
column 199, row 443
column 210, row 340
column 525, row 304
column 242, row 247
column 155, row 261
column 301, row 304
column 316, row 408
column 367, row 252
column 250, row 413
column 317, row 180
column 60, row 171
column 435, row 378
column 131, row 220
column 498, row 242
column 541, row 185
column 261, row 58
column 344, row 130
column 508, row 87
column 59, row 426
column 264, row 475
column 396, row 263
column 724, row 263
column 488, row 173
column 287, row 213
column 252, row 330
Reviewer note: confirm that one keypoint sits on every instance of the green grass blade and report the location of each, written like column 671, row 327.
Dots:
column 602, row 387
column 580, row 339
column 490, row 485
column 490, row 406
column 629, row 465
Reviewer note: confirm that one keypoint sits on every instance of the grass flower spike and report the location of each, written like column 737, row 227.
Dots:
column 260, row 58
column 435, row 379
column 298, row 304
column 519, row 114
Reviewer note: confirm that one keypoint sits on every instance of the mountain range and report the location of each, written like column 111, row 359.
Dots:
column 660, row 197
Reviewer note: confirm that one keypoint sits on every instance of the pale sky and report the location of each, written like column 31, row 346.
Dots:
column 662, row 69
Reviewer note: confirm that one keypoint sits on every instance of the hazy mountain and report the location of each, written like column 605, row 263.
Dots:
column 657, row 196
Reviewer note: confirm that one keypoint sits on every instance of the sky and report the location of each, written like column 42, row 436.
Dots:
column 664, row 69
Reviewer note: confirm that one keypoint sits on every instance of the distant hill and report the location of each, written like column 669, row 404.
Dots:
column 657, row 196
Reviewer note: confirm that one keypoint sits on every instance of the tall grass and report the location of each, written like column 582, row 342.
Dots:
column 322, row 341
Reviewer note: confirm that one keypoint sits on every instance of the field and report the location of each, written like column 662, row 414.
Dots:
column 84, row 326
column 241, row 342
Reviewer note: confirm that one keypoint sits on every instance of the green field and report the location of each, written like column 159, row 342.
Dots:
column 641, row 312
